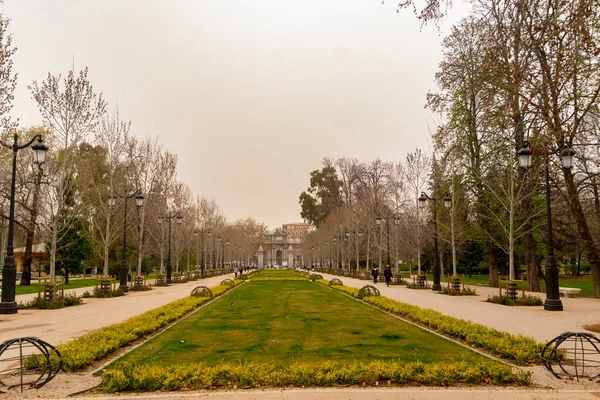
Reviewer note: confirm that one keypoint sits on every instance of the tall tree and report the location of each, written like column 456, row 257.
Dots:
column 323, row 195
column 70, row 109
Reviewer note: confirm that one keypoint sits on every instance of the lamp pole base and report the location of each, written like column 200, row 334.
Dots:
column 553, row 305
column 436, row 287
column 124, row 288
column 8, row 307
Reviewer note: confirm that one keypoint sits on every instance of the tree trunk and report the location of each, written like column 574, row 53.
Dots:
column 492, row 263
column 27, row 259
column 583, row 229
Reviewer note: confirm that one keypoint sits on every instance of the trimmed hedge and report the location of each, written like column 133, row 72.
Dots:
column 132, row 377
column 81, row 352
column 519, row 349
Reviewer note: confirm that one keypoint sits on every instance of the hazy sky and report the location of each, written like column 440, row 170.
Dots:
column 250, row 94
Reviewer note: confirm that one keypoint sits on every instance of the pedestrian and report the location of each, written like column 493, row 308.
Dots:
column 387, row 273
column 374, row 274
column 235, row 271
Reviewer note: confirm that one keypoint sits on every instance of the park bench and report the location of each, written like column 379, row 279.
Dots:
column 569, row 292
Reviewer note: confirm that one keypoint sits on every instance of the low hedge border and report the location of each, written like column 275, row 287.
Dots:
column 83, row 351
column 141, row 378
column 518, row 349
column 290, row 278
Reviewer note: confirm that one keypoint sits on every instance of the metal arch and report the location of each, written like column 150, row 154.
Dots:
column 201, row 291
column 228, row 282
column 336, row 281
column 367, row 291
column 47, row 367
column 557, row 352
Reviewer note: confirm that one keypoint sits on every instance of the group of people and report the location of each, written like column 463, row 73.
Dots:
column 237, row 271
column 387, row 274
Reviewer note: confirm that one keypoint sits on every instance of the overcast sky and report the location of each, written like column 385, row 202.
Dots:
column 250, row 94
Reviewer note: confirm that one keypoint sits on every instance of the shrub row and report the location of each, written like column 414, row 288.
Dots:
column 81, row 352
column 290, row 278
column 526, row 300
column 131, row 377
column 519, row 349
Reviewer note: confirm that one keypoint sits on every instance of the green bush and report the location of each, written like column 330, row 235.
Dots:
column 142, row 288
column 153, row 377
column 526, row 300
column 466, row 291
column 59, row 301
column 315, row 277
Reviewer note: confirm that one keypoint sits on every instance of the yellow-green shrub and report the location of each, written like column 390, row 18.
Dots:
column 520, row 349
column 82, row 351
column 254, row 375
column 291, row 278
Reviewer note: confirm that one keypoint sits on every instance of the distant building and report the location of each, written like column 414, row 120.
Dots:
column 282, row 247
column 295, row 231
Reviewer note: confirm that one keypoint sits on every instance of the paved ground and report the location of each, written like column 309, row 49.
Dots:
column 62, row 325
column 59, row 326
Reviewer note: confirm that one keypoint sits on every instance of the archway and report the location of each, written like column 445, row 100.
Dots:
column 279, row 258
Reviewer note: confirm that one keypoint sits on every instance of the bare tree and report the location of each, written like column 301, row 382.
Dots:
column 8, row 80
column 71, row 110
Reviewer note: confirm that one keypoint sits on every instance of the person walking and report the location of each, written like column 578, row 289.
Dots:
column 387, row 273
column 235, row 271
column 374, row 274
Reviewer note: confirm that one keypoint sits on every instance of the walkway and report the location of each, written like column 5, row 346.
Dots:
column 65, row 324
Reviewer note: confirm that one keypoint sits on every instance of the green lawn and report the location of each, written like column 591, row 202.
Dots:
column 293, row 321
column 73, row 284
column 584, row 282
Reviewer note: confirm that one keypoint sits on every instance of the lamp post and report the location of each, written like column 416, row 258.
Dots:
column 179, row 219
column 139, row 201
column 553, row 302
column 436, row 267
column 9, row 272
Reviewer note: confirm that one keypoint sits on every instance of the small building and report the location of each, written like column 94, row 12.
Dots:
column 38, row 256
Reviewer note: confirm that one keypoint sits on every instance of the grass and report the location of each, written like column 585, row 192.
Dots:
column 279, row 322
column 73, row 284
column 583, row 282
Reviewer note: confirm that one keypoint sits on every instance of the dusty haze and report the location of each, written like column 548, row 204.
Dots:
column 251, row 95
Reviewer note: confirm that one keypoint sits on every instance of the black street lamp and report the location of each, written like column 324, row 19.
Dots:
column 436, row 266
column 553, row 302
column 179, row 219
column 9, row 272
column 139, row 201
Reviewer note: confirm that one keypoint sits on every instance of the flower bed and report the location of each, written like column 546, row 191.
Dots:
column 131, row 377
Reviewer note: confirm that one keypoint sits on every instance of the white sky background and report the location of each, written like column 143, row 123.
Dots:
column 251, row 95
